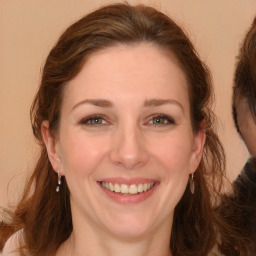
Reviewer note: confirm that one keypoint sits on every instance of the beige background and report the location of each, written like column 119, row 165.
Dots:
column 29, row 28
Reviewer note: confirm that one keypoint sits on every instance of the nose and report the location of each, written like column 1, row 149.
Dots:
column 129, row 148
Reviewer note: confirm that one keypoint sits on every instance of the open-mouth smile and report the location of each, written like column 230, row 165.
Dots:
column 130, row 191
column 126, row 189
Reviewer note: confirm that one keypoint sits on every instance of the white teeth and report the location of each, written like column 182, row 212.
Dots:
column 124, row 189
column 111, row 187
column 133, row 189
column 116, row 188
column 127, row 189
column 140, row 188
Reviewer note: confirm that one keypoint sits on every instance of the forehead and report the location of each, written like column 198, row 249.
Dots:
column 141, row 70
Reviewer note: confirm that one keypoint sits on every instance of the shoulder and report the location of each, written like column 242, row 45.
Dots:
column 12, row 244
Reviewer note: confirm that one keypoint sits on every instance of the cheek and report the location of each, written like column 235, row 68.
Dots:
column 82, row 154
column 173, row 158
column 249, row 135
column 174, row 151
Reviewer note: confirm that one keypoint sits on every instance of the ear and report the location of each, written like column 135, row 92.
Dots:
column 52, row 146
column 197, row 151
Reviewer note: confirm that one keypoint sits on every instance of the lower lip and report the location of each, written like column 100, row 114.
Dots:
column 129, row 199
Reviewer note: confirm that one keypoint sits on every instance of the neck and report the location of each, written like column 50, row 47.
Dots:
column 91, row 241
column 114, row 248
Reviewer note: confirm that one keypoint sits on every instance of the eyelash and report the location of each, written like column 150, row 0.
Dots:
column 170, row 121
column 88, row 119
column 167, row 120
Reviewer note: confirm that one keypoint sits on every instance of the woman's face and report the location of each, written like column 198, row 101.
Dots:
column 247, row 124
column 125, row 141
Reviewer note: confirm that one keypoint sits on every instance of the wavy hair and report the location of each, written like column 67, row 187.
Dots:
column 45, row 215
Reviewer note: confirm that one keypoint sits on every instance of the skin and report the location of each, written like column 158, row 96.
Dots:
column 125, row 143
column 247, row 125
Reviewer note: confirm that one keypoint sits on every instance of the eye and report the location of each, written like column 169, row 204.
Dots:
column 94, row 120
column 160, row 119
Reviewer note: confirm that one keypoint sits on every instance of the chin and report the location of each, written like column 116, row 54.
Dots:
column 132, row 226
column 130, row 230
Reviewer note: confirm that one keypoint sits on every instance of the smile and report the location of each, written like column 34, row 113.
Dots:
column 126, row 189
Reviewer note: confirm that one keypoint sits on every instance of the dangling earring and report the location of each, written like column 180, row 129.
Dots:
column 59, row 182
column 192, row 184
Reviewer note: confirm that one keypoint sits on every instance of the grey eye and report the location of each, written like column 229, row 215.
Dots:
column 161, row 120
column 93, row 120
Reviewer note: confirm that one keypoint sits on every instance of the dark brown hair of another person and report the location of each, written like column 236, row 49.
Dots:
column 44, row 215
column 245, row 73
column 238, row 208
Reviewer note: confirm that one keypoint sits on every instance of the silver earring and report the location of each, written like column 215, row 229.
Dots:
column 192, row 184
column 59, row 182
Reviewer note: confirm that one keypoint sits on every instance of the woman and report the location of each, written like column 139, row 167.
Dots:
column 130, row 162
column 241, row 204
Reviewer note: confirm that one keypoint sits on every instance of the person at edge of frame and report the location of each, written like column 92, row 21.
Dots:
column 239, row 208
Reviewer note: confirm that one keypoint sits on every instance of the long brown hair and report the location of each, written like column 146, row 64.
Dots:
column 45, row 215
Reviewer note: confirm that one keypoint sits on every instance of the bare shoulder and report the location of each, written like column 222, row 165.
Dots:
column 12, row 244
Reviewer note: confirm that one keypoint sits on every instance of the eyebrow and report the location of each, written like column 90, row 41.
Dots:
column 147, row 103
column 160, row 102
column 96, row 102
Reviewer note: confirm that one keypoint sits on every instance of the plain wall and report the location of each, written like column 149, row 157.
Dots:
column 28, row 30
